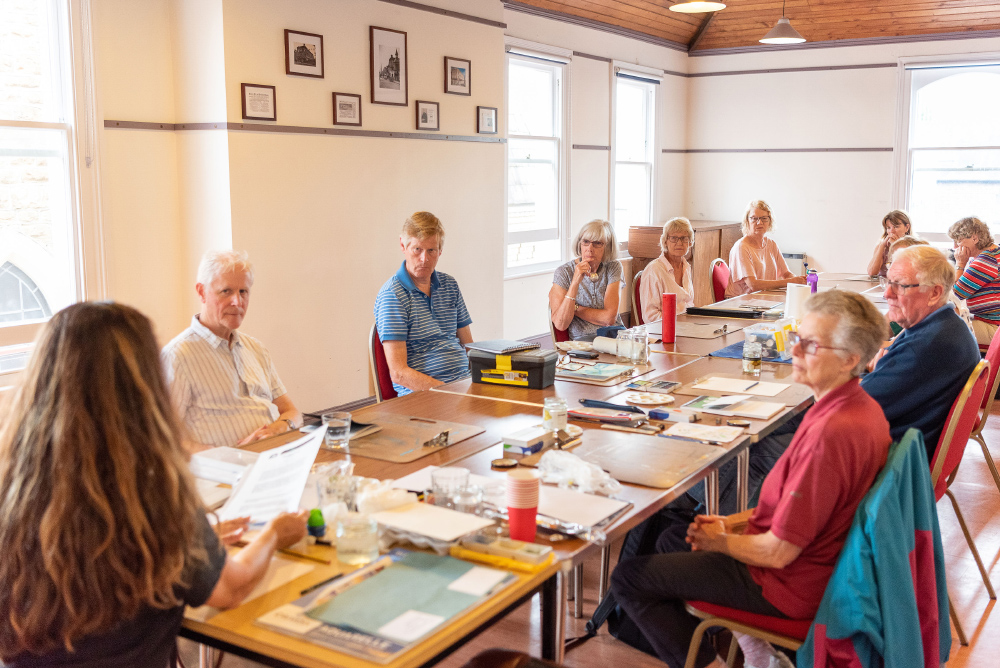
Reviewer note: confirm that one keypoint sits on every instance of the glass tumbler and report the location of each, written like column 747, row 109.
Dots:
column 338, row 431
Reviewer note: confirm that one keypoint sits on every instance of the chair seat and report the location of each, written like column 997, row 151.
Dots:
column 791, row 628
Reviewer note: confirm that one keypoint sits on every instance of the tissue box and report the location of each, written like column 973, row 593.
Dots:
column 532, row 369
column 772, row 337
column 528, row 441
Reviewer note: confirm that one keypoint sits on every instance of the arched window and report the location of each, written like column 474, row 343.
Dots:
column 20, row 298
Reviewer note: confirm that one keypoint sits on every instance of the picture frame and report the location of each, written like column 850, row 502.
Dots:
column 304, row 54
column 428, row 115
column 259, row 102
column 389, row 63
column 457, row 76
column 347, row 109
column 486, row 120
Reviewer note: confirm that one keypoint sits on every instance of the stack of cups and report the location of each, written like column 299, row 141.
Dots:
column 522, row 504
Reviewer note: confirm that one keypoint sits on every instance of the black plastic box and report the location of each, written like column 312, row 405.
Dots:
column 533, row 369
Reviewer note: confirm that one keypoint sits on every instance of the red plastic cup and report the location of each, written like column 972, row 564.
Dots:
column 669, row 334
column 522, row 523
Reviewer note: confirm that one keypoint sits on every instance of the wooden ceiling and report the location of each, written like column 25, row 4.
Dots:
column 743, row 22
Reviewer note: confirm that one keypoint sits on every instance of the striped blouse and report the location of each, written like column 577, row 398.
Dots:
column 979, row 285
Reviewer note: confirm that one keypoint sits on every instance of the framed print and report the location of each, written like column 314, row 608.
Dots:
column 346, row 109
column 388, row 58
column 486, row 120
column 259, row 102
column 303, row 54
column 457, row 76
column 428, row 115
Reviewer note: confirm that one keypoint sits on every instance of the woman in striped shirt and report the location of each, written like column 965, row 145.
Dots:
column 978, row 260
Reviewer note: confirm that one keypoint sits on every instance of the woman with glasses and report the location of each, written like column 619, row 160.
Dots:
column 755, row 262
column 977, row 259
column 895, row 225
column 670, row 272
column 585, row 291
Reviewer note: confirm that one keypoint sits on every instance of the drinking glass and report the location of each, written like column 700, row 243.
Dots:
column 445, row 482
column 640, row 345
column 338, row 431
column 624, row 346
column 468, row 499
column 554, row 414
column 494, row 505
column 752, row 352
column 357, row 539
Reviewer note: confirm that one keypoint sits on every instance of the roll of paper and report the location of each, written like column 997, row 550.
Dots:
column 795, row 300
column 604, row 344
column 669, row 317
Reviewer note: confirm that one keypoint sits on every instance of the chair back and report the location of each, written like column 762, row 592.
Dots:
column 993, row 357
column 719, row 272
column 558, row 335
column 379, row 367
column 958, row 428
column 636, row 301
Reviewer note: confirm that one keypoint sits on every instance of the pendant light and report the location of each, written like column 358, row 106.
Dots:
column 697, row 6
column 782, row 32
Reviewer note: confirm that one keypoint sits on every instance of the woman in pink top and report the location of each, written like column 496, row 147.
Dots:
column 670, row 272
column 755, row 262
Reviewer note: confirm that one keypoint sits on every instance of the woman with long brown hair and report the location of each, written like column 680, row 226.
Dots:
column 102, row 535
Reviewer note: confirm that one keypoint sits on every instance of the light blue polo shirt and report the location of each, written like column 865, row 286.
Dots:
column 428, row 324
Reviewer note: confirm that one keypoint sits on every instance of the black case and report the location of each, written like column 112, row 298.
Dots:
column 533, row 369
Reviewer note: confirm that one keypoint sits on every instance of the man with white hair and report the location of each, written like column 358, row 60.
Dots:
column 223, row 383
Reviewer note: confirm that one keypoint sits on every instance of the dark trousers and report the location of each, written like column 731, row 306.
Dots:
column 653, row 589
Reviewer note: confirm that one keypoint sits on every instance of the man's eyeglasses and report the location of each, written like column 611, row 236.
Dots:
column 809, row 346
column 896, row 286
column 679, row 240
column 763, row 219
column 597, row 245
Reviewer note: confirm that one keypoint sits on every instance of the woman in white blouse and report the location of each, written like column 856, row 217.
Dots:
column 755, row 262
column 670, row 272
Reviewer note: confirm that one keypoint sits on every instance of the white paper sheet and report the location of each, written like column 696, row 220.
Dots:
column 431, row 521
column 212, row 494
column 478, row 581
column 275, row 482
column 222, row 464
column 740, row 386
column 703, row 432
column 410, row 625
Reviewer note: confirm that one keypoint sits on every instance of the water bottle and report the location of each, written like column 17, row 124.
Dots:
column 812, row 279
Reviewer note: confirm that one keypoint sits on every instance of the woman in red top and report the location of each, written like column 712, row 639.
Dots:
column 781, row 564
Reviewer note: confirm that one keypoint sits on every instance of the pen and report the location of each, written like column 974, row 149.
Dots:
column 693, row 440
column 320, row 584
column 756, row 382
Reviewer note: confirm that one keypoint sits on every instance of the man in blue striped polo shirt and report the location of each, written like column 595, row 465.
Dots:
column 420, row 314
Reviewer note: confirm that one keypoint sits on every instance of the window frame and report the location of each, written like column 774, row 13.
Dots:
column 554, row 58
column 902, row 150
column 652, row 78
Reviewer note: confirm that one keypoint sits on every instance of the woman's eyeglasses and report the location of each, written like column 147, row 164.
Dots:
column 809, row 346
column 679, row 240
column 596, row 245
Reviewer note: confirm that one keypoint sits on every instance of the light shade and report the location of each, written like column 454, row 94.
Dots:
column 697, row 6
column 782, row 33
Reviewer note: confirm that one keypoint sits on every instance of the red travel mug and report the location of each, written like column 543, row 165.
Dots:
column 522, row 523
column 669, row 317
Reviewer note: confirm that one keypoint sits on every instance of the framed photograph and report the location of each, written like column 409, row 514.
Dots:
column 428, row 115
column 457, row 76
column 259, row 102
column 303, row 54
column 486, row 120
column 388, row 57
column 346, row 109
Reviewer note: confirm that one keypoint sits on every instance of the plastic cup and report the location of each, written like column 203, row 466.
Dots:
column 522, row 523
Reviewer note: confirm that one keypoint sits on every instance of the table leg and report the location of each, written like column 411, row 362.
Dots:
column 206, row 656
column 742, row 480
column 578, row 591
column 554, row 617
column 602, row 585
column 712, row 493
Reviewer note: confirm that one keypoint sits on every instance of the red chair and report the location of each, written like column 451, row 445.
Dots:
column 719, row 272
column 951, row 446
column 378, row 366
column 636, row 301
column 992, row 384
column 558, row 335
column 788, row 633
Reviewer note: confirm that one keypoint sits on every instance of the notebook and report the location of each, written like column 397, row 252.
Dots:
column 502, row 346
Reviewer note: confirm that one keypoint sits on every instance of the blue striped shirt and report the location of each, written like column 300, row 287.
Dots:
column 428, row 324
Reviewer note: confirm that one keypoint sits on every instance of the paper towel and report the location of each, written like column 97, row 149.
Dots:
column 795, row 300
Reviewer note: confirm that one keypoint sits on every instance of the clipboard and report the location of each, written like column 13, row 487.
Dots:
column 402, row 438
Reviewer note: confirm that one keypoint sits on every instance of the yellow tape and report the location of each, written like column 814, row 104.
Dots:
column 503, row 363
column 498, row 561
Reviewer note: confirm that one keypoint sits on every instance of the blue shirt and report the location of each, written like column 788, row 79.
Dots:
column 428, row 324
column 921, row 374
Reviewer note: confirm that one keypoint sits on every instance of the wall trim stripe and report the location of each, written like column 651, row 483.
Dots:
column 595, row 25
column 782, row 70
column 591, row 56
column 446, row 12
column 858, row 41
column 592, row 147
column 297, row 129
column 866, row 149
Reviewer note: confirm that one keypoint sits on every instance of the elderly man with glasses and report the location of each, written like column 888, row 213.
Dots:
column 918, row 377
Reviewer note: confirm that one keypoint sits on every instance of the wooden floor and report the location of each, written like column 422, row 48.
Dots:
column 980, row 501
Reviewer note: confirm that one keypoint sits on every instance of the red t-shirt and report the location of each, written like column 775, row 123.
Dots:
column 810, row 496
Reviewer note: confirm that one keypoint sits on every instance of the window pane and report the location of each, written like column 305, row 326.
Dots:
column 631, row 122
column 958, row 110
column 948, row 185
column 531, row 100
column 519, row 255
column 35, row 229
column 28, row 75
column 631, row 198
column 532, row 193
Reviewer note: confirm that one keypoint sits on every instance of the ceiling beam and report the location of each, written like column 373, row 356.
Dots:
column 701, row 31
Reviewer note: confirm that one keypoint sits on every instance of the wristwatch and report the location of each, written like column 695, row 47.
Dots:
column 291, row 425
